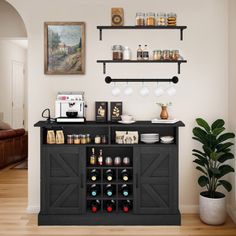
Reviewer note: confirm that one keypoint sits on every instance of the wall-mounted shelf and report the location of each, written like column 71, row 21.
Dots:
column 181, row 28
column 179, row 62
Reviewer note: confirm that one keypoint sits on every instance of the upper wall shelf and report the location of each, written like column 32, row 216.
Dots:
column 181, row 28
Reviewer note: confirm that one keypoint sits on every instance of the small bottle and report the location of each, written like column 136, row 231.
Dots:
column 126, row 53
column 94, row 175
column 139, row 53
column 145, row 53
column 88, row 139
column 93, row 158
column 109, row 175
column 109, row 190
column 125, row 190
column 126, row 206
column 100, row 158
column 110, row 206
column 124, row 175
column 95, row 206
column 94, row 190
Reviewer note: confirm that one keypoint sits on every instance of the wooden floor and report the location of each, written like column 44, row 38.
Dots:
column 15, row 221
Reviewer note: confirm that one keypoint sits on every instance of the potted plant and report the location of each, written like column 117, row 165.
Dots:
column 210, row 162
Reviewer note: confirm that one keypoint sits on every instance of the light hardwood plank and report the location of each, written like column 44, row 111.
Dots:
column 14, row 220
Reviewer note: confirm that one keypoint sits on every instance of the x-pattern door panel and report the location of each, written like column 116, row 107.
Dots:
column 63, row 182
column 155, row 192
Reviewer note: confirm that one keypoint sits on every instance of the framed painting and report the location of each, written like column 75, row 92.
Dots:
column 64, row 48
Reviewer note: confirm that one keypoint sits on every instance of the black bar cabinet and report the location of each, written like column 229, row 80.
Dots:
column 153, row 177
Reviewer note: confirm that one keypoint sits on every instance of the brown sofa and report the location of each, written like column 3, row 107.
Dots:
column 13, row 146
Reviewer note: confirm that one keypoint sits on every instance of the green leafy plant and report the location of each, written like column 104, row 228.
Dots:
column 215, row 152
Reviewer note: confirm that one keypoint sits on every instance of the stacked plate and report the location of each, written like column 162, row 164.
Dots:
column 150, row 138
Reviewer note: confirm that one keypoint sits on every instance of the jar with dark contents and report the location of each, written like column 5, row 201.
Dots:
column 117, row 52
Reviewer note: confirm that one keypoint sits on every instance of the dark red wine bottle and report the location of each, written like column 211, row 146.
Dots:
column 110, row 206
column 125, row 190
column 126, row 206
column 94, row 175
column 95, row 206
column 124, row 175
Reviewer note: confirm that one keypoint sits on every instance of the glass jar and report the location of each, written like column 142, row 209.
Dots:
column 117, row 52
column 83, row 139
column 70, row 139
column 166, row 55
column 157, row 55
column 76, row 139
column 140, row 19
column 175, row 55
column 161, row 19
column 150, row 19
column 88, row 138
column 103, row 139
column 97, row 139
column 126, row 53
column 171, row 19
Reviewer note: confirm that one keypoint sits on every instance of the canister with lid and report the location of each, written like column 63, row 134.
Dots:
column 117, row 52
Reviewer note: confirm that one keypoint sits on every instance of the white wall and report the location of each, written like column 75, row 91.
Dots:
column 9, row 22
column 9, row 52
column 232, row 95
column 203, row 86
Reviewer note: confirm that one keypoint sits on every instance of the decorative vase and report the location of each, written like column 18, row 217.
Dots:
column 164, row 113
column 212, row 210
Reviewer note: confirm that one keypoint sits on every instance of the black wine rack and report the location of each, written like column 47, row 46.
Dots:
column 116, row 182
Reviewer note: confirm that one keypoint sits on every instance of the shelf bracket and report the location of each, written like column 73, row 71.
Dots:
column 100, row 34
column 179, row 63
column 174, row 80
column 181, row 34
column 104, row 68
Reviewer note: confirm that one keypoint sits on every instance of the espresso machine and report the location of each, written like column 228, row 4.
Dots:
column 70, row 107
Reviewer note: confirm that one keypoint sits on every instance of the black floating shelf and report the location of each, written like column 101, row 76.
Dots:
column 179, row 62
column 181, row 28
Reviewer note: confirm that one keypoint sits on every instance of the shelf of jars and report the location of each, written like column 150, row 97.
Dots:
column 181, row 28
column 178, row 62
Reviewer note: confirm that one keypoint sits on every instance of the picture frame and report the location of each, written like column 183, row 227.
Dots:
column 101, row 111
column 115, row 111
column 64, row 48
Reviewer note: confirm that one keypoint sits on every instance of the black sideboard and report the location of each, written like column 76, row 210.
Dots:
column 153, row 181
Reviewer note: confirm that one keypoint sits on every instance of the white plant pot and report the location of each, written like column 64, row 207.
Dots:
column 212, row 210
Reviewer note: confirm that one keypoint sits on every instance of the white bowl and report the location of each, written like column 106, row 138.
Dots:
column 167, row 139
column 126, row 118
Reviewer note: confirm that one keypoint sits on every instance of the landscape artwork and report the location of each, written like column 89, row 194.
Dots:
column 64, row 48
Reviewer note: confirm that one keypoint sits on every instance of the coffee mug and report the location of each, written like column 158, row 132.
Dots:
column 126, row 117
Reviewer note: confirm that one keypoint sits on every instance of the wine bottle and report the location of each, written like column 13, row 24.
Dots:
column 145, row 53
column 110, row 205
column 94, row 175
column 126, row 206
column 95, row 206
column 124, row 175
column 109, row 175
column 125, row 190
column 139, row 53
column 109, row 190
column 100, row 158
column 93, row 158
column 94, row 190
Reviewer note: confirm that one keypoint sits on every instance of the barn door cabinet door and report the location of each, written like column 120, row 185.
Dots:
column 62, row 184
column 156, row 180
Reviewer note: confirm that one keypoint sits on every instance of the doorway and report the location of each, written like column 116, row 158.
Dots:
column 17, row 94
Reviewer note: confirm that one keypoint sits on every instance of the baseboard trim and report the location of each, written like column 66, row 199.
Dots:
column 184, row 209
column 189, row 209
column 232, row 212
column 33, row 209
